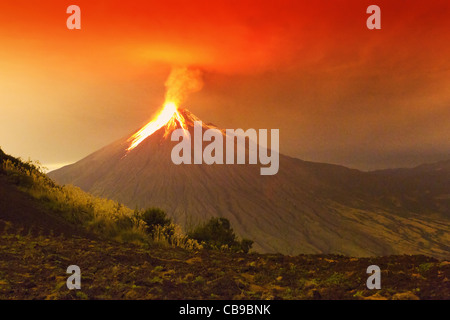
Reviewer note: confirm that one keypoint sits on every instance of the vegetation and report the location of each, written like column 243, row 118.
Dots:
column 218, row 234
column 153, row 218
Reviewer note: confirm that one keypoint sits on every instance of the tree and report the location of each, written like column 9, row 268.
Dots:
column 217, row 232
column 155, row 217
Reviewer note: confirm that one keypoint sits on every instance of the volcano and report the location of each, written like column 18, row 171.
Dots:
column 305, row 208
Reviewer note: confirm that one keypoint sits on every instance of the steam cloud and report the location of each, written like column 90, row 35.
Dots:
column 181, row 82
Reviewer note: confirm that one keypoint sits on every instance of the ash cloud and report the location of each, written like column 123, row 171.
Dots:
column 181, row 82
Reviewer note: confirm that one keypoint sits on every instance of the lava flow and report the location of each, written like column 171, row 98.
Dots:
column 169, row 117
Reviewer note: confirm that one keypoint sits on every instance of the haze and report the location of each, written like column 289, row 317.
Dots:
column 338, row 92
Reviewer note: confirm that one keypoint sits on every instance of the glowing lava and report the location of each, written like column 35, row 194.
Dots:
column 169, row 117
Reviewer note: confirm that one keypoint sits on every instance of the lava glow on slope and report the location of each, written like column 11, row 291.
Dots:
column 169, row 117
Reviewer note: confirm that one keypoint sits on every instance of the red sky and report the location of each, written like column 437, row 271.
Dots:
column 337, row 91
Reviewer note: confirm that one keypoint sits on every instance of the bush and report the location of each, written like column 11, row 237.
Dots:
column 246, row 245
column 154, row 217
column 217, row 234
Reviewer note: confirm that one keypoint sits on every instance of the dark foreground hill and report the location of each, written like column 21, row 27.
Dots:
column 305, row 208
column 27, row 213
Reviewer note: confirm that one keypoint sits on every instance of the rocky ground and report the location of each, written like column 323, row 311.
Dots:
column 33, row 266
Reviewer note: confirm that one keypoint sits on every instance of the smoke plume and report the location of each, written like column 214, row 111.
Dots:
column 182, row 81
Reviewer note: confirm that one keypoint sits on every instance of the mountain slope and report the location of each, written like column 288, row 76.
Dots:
column 305, row 208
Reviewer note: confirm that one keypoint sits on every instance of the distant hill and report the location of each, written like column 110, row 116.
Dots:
column 306, row 208
column 424, row 189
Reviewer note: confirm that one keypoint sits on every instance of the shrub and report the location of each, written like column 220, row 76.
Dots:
column 218, row 234
column 155, row 217
column 246, row 245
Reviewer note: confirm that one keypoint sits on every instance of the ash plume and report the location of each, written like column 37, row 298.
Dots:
column 181, row 82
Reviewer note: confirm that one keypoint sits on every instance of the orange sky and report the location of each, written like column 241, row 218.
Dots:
column 338, row 92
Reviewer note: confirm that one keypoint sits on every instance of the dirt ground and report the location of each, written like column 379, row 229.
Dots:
column 34, row 267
